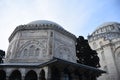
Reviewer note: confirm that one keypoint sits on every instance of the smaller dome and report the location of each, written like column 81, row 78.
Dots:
column 46, row 22
column 108, row 23
column 107, row 27
column 109, row 30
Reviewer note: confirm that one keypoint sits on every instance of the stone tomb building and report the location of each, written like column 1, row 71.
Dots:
column 43, row 50
column 106, row 41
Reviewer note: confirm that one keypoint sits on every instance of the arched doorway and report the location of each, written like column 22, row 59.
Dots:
column 31, row 75
column 42, row 75
column 15, row 75
column 2, row 75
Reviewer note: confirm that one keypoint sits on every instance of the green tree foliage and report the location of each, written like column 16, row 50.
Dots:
column 2, row 55
column 85, row 55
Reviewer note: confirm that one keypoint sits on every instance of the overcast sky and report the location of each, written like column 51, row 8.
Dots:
column 80, row 17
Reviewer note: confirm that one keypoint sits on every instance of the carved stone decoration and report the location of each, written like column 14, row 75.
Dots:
column 32, row 49
column 34, row 34
column 64, row 47
column 25, row 52
column 64, row 51
column 11, row 51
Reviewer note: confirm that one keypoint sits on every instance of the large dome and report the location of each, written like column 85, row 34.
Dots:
column 45, row 22
column 108, row 30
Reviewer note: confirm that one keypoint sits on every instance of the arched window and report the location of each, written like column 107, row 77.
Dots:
column 51, row 35
column 31, row 75
column 42, row 75
column 25, row 52
column 112, row 27
column 31, row 50
column 37, row 51
column 2, row 75
column 15, row 75
column 94, row 45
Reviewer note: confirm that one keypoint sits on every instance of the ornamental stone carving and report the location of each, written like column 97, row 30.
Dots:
column 40, row 41
column 64, row 48
column 32, row 48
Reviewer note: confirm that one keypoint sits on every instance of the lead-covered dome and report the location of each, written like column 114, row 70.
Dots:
column 44, row 22
column 108, row 30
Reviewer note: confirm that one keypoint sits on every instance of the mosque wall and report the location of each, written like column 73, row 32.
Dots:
column 106, row 41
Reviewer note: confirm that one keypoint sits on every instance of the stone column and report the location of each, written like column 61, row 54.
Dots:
column 49, row 74
column 23, row 73
column 38, row 77
column 8, row 72
column 23, row 78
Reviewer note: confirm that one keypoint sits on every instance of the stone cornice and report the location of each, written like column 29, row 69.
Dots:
column 41, row 27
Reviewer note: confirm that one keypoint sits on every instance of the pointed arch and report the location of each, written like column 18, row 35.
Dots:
column 117, row 53
column 15, row 75
column 37, row 51
column 30, row 47
column 42, row 75
column 25, row 52
column 31, row 50
column 31, row 75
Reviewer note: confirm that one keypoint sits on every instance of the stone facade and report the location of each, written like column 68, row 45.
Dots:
column 39, row 43
column 106, row 41
column 43, row 50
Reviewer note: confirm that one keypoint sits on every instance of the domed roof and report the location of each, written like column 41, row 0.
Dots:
column 107, row 27
column 45, row 22
column 108, row 23
column 109, row 30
